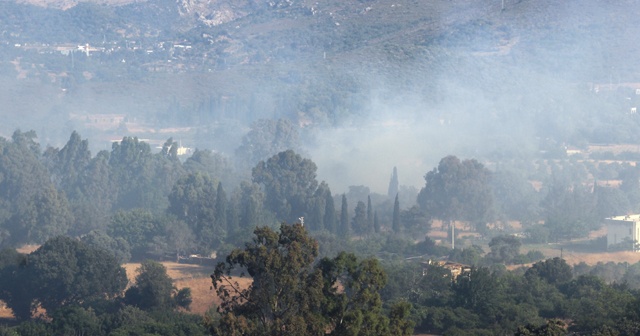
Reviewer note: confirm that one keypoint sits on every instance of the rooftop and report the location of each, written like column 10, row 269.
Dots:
column 630, row 218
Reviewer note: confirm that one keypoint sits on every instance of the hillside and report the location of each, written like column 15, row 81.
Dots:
column 525, row 72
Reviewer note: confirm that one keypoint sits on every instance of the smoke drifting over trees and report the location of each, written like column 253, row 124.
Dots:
column 168, row 130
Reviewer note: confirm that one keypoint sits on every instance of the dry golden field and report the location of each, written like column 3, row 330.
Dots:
column 573, row 252
column 195, row 277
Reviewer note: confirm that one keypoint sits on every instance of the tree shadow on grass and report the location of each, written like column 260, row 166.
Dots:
column 595, row 245
column 8, row 322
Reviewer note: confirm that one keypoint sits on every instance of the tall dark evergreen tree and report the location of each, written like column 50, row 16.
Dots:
column 315, row 222
column 360, row 224
column 221, row 207
column 369, row 214
column 166, row 170
column 329, row 213
column 396, row 215
column 376, row 223
column 251, row 204
column 233, row 215
column 394, row 185
column 317, row 215
column 343, row 231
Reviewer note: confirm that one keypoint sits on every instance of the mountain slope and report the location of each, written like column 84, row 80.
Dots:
column 526, row 69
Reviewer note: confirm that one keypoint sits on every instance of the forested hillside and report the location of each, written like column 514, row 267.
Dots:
column 259, row 136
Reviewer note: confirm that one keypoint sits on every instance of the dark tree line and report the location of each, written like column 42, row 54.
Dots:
column 548, row 298
column 143, row 204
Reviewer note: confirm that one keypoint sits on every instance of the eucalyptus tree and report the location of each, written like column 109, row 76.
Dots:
column 293, row 293
column 289, row 182
column 457, row 190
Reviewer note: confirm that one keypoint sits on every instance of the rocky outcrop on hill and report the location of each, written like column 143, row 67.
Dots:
column 212, row 12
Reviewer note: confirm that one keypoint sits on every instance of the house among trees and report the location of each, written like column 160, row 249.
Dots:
column 623, row 232
column 454, row 268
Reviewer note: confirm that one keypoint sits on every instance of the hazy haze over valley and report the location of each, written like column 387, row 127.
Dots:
column 372, row 84
column 362, row 167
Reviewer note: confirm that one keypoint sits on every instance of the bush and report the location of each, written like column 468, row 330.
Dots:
column 429, row 247
column 531, row 256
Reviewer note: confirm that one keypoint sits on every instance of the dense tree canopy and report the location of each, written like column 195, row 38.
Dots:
column 193, row 200
column 267, row 138
column 289, row 182
column 457, row 190
column 63, row 271
column 504, row 248
column 570, row 211
column 289, row 295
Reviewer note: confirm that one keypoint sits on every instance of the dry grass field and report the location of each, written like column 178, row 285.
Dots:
column 614, row 148
column 195, row 277
column 5, row 313
column 573, row 252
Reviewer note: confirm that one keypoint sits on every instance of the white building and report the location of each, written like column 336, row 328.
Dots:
column 621, row 229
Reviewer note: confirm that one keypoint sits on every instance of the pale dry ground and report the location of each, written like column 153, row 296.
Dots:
column 615, row 149
column 27, row 248
column 572, row 252
column 195, row 277
column 5, row 313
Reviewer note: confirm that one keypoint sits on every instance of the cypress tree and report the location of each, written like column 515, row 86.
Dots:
column 369, row 214
column 394, row 185
column 396, row 215
column 359, row 224
column 329, row 213
column 376, row 223
column 221, row 208
column 344, row 218
column 317, row 218
column 233, row 218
